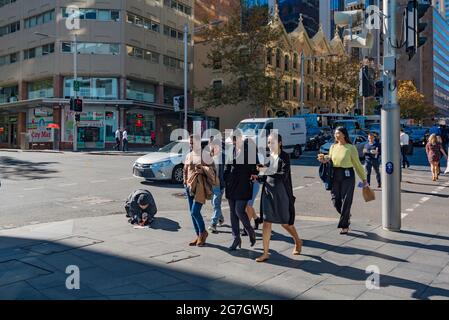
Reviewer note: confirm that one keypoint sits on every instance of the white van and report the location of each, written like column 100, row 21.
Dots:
column 292, row 130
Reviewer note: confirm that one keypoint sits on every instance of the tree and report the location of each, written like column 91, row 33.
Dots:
column 239, row 50
column 342, row 80
column 412, row 103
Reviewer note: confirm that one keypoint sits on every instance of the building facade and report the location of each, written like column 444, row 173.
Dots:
column 317, row 50
column 429, row 68
column 130, row 67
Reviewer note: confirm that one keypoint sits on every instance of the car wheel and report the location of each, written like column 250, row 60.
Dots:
column 178, row 175
column 297, row 151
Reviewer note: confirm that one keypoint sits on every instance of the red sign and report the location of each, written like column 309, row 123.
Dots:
column 2, row 129
column 139, row 123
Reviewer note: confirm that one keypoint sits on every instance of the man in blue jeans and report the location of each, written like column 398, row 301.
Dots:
column 218, row 155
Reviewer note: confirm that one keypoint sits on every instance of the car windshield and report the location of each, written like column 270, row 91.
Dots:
column 175, row 147
column 375, row 126
column 248, row 127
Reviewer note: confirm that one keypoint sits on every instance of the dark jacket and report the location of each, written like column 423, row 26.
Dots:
column 284, row 175
column 326, row 173
column 237, row 176
column 134, row 210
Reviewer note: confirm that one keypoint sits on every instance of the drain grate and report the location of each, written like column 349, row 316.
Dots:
column 176, row 256
column 62, row 245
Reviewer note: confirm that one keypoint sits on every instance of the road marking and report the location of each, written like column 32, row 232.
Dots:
column 67, row 185
column 31, row 189
column 128, row 178
column 410, row 210
column 99, row 181
column 299, row 188
column 403, row 215
column 441, row 188
column 435, row 192
column 424, row 199
column 311, row 218
column 416, row 205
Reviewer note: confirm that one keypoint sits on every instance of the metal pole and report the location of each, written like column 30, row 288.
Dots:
column 378, row 38
column 302, row 83
column 363, row 106
column 75, row 93
column 186, row 65
column 391, row 190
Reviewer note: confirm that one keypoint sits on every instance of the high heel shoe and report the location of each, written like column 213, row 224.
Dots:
column 252, row 239
column 235, row 244
column 257, row 222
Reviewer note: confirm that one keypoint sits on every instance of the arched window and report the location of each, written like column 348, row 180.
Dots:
column 295, row 88
column 270, row 56
column 295, row 61
column 286, row 62
column 278, row 58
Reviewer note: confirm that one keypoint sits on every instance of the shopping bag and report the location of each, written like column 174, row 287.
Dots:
column 368, row 194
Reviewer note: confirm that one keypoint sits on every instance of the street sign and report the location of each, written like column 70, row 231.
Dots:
column 76, row 86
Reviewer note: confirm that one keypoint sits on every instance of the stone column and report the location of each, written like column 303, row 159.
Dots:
column 23, row 90
column 21, row 127
column 58, row 86
column 160, row 93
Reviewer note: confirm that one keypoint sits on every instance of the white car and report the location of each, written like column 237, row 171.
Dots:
column 166, row 164
column 358, row 140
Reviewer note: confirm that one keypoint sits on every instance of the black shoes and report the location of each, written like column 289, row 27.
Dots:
column 252, row 239
column 257, row 222
column 236, row 244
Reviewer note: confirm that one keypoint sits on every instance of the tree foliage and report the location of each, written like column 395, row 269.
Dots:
column 412, row 103
column 238, row 49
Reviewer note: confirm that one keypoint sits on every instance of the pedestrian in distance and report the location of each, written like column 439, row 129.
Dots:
column 277, row 199
column 239, row 189
column 140, row 207
column 125, row 140
column 372, row 158
column 404, row 141
column 345, row 161
column 218, row 155
column 434, row 152
column 117, row 139
column 199, row 180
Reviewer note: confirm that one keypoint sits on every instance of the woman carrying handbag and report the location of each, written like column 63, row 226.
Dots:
column 346, row 162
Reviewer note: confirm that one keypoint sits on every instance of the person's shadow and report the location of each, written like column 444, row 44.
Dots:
column 165, row 224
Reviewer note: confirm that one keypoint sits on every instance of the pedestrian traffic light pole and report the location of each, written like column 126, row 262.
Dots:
column 186, row 73
column 390, row 117
column 75, row 92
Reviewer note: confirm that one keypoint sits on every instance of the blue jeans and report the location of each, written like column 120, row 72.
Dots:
column 195, row 211
column 216, row 204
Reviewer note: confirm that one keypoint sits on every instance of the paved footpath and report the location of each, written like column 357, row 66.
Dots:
column 117, row 261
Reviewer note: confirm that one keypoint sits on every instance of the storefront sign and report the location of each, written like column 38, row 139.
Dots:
column 43, row 112
column 38, row 120
column 98, row 124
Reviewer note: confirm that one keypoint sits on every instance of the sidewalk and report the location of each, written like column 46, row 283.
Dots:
column 117, row 261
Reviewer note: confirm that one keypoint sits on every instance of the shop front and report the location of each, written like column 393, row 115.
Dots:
column 96, row 129
column 141, row 127
column 9, row 130
column 39, row 135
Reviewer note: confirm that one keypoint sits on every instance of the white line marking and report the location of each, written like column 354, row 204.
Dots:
column 129, row 178
column 99, row 181
column 31, row 189
column 435, row 192
column 410, row 210
column 299, row 188
column 424, row 199
column 67, row 185
column 403, row 215
column 416, row 205
column 311, row 218
column 441, row 188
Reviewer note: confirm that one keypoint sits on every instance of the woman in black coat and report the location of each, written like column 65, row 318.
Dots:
column 277, row 199
column 239, row 190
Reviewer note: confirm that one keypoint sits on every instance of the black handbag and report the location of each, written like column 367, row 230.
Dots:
column 326, row 173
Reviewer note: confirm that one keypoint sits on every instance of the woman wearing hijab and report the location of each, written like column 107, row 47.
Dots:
column 277, row 199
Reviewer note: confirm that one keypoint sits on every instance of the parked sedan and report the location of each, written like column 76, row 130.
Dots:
column 166, row 164
column 358, row 140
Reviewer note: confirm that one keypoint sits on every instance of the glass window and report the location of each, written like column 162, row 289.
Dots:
column 155, row 27
column 91, row 14
column 40, row 89
column 93, row 88
column 130, row 18
column 66, row 47
column 115, row 15
column 140, row 91
column 104, row 15
column 14, row 57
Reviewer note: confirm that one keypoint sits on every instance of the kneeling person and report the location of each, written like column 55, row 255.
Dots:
column 140, row 207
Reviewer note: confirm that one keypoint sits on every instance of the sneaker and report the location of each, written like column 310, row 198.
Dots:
column 221, row 222
column 213, row 228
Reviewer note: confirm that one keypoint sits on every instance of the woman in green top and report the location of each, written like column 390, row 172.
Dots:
column 345, row 158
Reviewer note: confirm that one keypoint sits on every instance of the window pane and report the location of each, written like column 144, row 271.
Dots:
column 103, row 15
column 115, row 15
column 91, row 14
column 66, row 47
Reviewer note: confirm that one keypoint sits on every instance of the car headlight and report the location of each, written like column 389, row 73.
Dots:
column 161, row 164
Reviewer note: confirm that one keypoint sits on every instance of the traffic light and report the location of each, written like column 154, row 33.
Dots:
column 77, row 117
column 78, row 105
column 413, row 28
column 379, row 90
column 367, row 81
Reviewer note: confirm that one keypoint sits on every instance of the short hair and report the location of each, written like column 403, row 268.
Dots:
column 143, row 200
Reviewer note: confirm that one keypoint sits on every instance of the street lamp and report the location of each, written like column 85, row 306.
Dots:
column 75, row 78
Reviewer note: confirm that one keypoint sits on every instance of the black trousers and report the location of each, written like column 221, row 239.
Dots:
column 369, row 165
column 405, row 162
column 238, row 213
column 343, row 194
column 117, row 144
